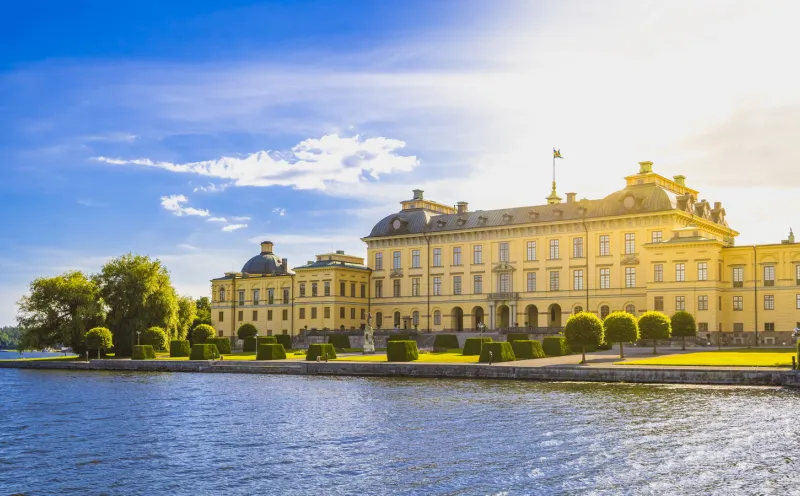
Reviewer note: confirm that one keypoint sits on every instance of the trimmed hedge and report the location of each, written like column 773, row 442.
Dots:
column 555, row 346
column 249, row 345
column 339, row 340
column 525, row 349
column 501, row 352
column 267, row 340
column 318, row 350
column 204, row 352
column 449, row 341
column 285, row 340
column 246, row 330
column 402, row 351
column 223, row 345
column 201, row 333
column 271, row 352
column 143, row 352
column 517, row 336
column 398, row 337
column 472, row 346
column 179, row 348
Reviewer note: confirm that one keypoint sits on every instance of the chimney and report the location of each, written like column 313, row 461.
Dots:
column 418, row 194
column 462, row 207
column 645, row 167
column 266, row 247
column 309, row 262
column 340, row 252
column 571, row 197
column 681, row 180
column 285, row 264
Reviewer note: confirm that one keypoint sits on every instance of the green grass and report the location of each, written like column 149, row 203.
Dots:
column 68, row 358
column 745, row 357
column 236, row 355
column 447, row 357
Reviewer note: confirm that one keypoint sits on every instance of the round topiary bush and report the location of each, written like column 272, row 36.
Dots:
column 654, row 325
column 319, row 350
column 584, row 329
column 223, row 345
column 201, row 333
column 621, row 327
column 155, row 337
column 500, row 352
column 339, row 341
column 143, row 352
column 446, row 341
column 246, row 331
column 98, row 338
column 683, row 325
column 271, row 351
column 555, row 346
column 402, row 351
column 527, row 349
column 473, row 346
column 180, row 348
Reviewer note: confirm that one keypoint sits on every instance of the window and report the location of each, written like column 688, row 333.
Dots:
column 396, row 319
column 256, row 296
column 437, row 257
column 327, row 287
column 738, row 277
column 769, row 302
column 605, row 278
column 241, row 296
column 352, row 290
column 415, row 286
column 554, row 280
column 604, row 311
column 437, row 317
column 396, row 287
column 630, row 277
column 457, row 285
column 477, row 283
column 285, row 296
column 702, row 302
column 577, row 248
column 532, row 251
column 702, row 326
column 797, row 274
column 437, row 286
column 457, row 255
column 326, row 312
column 477, row 254
column 680, row 303
column 363, row 290
column 415, row 318
column 314, row 289
column 769, row 275
column 379, row 319
column 415, row 264
column 630, row 243
column 396, row 260
column 769, row 326
column 577, row 279
column 631, row 309
column 655, row 237
column 504, row 252
column 505, row 283
column 241, row 315
column 363, row 314
column 255, row 315
column 658, row 303
column 658, row 272
column 352, row 313
column 680, row 272
column 342, row 288
column 797, row 303
column 738, row 327
column 269, row 315
column 554, row 255
column 313, row 312
column 738, row 303
column 221, row 317
column 702, row 271
column 379, row 261
column 605, row 248
column 531, row 281
column 577, row 309
column 221, row 294
column 270, row 296
column 341, row 312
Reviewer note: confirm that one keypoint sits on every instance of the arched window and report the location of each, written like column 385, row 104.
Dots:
column 221, row 294
column 630, row 309
column 379, row 319
column 578, row 309
column 415, row 317
column 437, row 317
column 397, row 319
column 604, row 311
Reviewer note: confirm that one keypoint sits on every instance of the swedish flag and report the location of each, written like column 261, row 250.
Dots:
column 557, row 153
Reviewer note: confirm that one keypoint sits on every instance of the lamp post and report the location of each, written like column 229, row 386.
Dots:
column 481, row 328
column 138, row 336
column 256, row 336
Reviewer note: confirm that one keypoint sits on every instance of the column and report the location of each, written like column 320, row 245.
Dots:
column 491, row 315
column 512, row 314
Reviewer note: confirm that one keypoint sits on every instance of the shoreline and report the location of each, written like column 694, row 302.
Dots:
column 507, row 371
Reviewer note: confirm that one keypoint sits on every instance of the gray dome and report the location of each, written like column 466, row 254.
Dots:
column 265, row 262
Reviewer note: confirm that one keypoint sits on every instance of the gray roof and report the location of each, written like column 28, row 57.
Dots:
column 648, row 198
column 332, row 263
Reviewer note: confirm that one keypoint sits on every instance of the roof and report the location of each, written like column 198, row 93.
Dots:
column 332, row 264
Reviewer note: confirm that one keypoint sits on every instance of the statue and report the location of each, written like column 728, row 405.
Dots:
column 369, row 341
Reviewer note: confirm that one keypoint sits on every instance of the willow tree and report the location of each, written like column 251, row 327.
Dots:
column 139, row 295
column 59, row 310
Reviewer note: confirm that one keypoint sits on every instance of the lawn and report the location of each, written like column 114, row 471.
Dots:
column 237, row 355
column 447, row 357
column 68, row 358
column 745, row 357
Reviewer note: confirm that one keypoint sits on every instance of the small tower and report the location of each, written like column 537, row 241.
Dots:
column 553, row 198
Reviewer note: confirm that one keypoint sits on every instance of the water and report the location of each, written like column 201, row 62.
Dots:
column 113, row 433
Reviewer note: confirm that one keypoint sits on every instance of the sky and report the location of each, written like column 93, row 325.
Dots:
column 190, row 131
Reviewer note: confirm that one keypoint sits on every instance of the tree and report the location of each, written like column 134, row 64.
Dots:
column 59, row 310
column 683, row 325
column 99, row 338
column 584, row 329
column 201, row 333
column 654, row 325
column 9, row 338
column 203, row 306
column 139, row 295
column 187, row 310
column 621, row 327
column 155, row 337
column 246, row 331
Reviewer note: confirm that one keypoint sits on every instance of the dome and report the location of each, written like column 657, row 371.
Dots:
column 265, row 262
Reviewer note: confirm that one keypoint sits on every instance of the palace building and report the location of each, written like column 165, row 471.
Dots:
column 653, row 245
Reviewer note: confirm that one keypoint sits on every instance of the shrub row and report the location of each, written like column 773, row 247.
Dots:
column 143, row 352
column 402, row 351
column 398, row 337
column 179, row 348
column 472, row 346
column 285, row 340
column 448, row 341
column 340, row 341
column 267, row 340
column 204, row 352
column 223, row 345
column 271, row 351
column 517, row 336
column 500, row 351
column 319, row 350
column 527, row 349
column 555, row 346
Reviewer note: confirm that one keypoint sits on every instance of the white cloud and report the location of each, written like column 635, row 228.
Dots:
column 233, row 227
column 211, row 188
column 280, row 211
column 216, row 219
column 235, row 218
column 174, row 203
column 311, row 164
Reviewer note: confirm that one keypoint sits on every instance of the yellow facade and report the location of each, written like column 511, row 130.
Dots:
column 653, row 245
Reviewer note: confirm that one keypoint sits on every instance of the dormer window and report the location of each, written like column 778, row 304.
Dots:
column 482, row 219
column 507, row 217
column 461, row 221
column 441, row 223
column 533, row 214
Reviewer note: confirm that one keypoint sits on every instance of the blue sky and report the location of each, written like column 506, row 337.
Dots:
column 191, row 130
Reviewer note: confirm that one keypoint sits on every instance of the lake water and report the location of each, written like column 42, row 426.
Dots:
column 194, row 434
